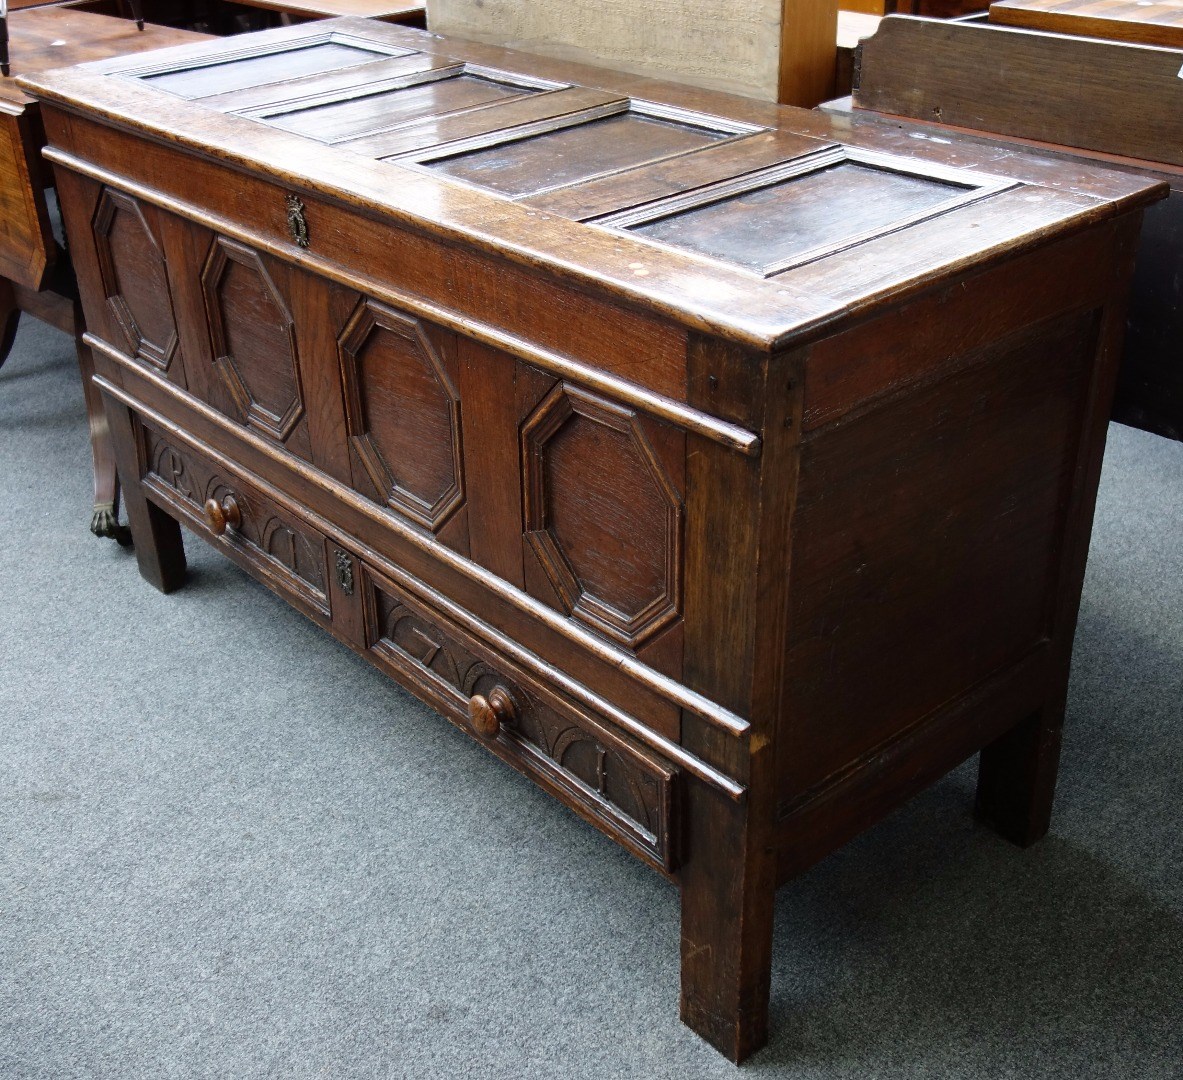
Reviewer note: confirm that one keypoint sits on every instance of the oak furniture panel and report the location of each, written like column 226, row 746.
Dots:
column 726, row 470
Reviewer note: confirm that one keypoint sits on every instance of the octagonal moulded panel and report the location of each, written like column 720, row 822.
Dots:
column 402, row 414
column 253, row 339
column 134, row 278
column 602, row 515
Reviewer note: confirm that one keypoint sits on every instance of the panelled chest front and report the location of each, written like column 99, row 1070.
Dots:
column 730, row 480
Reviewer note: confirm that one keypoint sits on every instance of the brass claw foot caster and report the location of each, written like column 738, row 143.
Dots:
column 105, row 523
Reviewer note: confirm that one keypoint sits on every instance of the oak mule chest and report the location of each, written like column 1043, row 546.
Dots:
column 730, row 479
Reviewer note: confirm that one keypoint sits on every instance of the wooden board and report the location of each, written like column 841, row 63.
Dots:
column 1149, row 23
column 1026, row 85
column 1012, row 82
column 50, row 37
column 412, row 12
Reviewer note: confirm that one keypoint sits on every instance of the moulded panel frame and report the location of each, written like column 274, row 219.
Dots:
column 975, row 186
column 112, row 202
column 370, row 317
column 448, row 70
column 142, row 72
column 565, row 403
column 421, row 160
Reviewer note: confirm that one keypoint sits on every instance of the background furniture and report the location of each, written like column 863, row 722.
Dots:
column 730, row 480
column 1111, row 102
column 408, row 12
column 35, row 275
column 1120, row 20
column 776, row 50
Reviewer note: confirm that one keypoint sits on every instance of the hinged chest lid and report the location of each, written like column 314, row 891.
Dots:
column 756, row 222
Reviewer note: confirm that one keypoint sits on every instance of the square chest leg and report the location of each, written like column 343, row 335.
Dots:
column 160, row 551
column 728, row 888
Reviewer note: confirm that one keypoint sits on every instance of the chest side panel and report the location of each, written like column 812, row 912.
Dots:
column 940, row 458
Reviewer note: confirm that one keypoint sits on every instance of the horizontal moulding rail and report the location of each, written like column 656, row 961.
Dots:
column 653, row 681
column 654, row 404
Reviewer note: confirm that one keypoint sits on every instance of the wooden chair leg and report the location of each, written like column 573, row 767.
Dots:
column 10, row 317
column 104, row 519
column 1017, row 778
column 160, row 550
column 728, row 886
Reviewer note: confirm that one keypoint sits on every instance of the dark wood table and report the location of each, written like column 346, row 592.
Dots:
column 727, row 471
column 36, row 277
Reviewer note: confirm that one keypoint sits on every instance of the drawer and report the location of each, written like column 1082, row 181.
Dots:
column 267, row 541
column 586, row 760
column 622, row 788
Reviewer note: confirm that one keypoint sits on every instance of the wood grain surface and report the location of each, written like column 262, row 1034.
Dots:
column 725, row 469
column 1157, row 23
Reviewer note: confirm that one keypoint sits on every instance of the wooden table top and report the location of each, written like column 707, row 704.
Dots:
column 1159, row 22
column 51, row 37
column 387, row 10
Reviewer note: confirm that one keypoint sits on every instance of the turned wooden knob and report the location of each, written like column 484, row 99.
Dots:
column 220, row 516
column 487, row 714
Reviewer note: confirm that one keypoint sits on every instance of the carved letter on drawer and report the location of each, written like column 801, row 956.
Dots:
column 602, row 515
column 403, row 414
column 269, row 541
column 626, row 791
column 253, row 339
column 135, row 279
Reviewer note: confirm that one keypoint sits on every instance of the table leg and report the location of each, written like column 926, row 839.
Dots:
column 728, row 886
column 160, row 550
column 1017, row 777
column 10, row 317
column 105, row 518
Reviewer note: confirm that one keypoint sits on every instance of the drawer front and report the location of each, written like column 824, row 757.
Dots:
column 272, row 544
column 618, row 786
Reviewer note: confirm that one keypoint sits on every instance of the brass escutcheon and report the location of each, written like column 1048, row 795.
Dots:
column 297, row 223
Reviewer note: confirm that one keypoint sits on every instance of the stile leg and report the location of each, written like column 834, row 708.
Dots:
column 728, row 886
column 1017, row 778
column 160, row 551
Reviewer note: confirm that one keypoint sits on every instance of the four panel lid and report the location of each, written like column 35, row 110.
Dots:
column 752, row 218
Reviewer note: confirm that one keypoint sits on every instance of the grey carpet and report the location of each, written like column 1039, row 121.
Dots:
column 230, row 848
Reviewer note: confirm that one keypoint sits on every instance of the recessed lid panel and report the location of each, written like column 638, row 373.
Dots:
column 793, row 214
column 359, row 115
column 567, row 155
column 244, row 72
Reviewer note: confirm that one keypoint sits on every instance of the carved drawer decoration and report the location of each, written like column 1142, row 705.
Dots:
column 602, row 515
column 621, row 788
column 253, row 339
column 289, row 555
column 403, row 414
column 135, row 279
